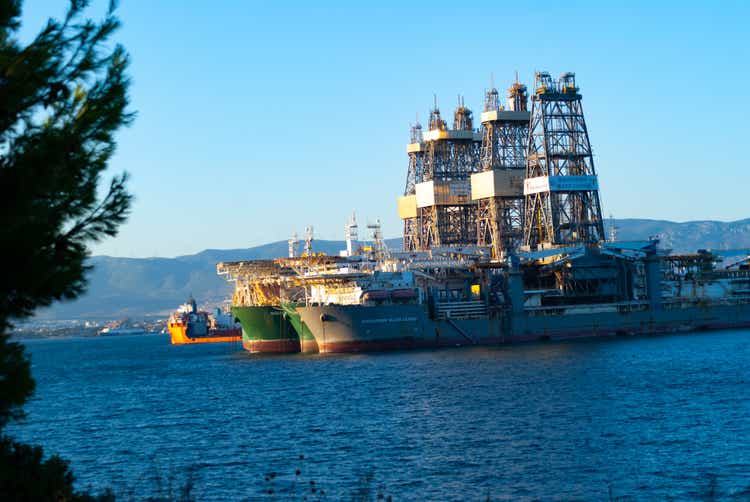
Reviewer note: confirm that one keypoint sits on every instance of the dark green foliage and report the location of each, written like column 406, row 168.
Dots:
column 62, row 98
column 26, row 475
column 16, row 384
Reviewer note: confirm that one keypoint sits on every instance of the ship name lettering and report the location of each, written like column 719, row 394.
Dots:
column 387, row 320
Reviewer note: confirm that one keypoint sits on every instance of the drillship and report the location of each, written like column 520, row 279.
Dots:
column 503, row 242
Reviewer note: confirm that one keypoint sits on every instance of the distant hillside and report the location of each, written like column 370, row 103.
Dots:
column 121, row 287
column 689, row 236
column 134, row 287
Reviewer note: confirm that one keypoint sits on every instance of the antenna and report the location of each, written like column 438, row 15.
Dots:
column 308, row 240
column 492, row 80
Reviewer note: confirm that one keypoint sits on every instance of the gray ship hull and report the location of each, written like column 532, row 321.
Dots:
column 359, row 328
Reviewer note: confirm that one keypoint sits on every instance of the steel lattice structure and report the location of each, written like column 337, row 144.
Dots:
column 416, row 156
column 451, row 153
column 411, row 235
column 504, row 145
column 562, row 197
column 450, row 157
column 443, row 225
column 414, row 175
column 504, row 142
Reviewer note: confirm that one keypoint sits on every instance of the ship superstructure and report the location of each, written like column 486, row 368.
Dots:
column 188, row 325
column 503, row 241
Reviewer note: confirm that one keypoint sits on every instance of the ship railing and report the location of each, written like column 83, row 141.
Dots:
column 680, row 303
column 707, row 276
column 620, row 307
column 460, row 309
column 731, row 274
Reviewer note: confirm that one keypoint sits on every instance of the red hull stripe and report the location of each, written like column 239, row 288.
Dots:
column 309, row 346
column 405, row 344
column 271, row 346
column 290, row 346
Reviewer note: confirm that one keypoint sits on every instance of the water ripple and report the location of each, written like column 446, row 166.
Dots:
column 631, row 419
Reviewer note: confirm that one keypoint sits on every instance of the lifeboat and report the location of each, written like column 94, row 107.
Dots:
column 404, row 294
column 377, row 295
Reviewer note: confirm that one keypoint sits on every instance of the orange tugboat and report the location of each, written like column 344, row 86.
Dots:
column 188, row 325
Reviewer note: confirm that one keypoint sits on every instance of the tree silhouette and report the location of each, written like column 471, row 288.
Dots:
column 62, row 98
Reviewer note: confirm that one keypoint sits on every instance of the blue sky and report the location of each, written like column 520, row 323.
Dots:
column 257, row 119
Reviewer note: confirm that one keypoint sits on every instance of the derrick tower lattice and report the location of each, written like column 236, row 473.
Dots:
column 414, row 175
column 499, row 188
column 352, row 235
column 446, row 215
column 309, row 240
column 293, row 246
column 562, row 192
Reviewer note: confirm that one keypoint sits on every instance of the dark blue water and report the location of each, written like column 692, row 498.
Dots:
column 641, row 418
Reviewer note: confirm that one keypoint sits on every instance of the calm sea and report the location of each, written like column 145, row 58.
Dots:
column 636, row 418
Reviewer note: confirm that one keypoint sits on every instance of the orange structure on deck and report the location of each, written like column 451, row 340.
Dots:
column 179, row 336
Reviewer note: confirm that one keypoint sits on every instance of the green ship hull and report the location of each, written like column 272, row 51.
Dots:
column 308, row 343
column 267, row 329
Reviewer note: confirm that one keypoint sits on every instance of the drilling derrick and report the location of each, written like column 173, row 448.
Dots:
column 407, row 205
column 561, row 188
column 445, row 213
column 351, row 233
column 293, row 246
column 498, row 189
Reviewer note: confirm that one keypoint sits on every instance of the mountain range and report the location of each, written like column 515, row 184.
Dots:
column 138, row 287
